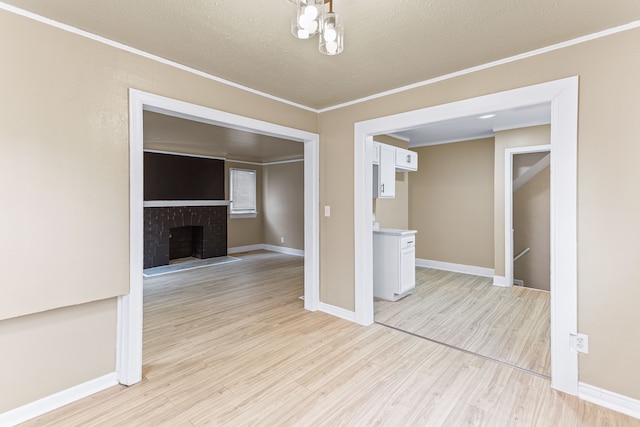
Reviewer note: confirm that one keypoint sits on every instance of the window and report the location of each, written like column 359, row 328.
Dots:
column 242, row 192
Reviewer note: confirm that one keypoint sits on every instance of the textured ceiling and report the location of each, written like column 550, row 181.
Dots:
column 388, row 44
column 173, row 134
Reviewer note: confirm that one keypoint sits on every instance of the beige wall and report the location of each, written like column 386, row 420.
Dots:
column 451, row 203
column 523, row 137
column 47, row 352
column 64, row 173
column 245, row 231
column 283, row 205
column 394, row 213
column 64, row 127
column 531, row 229
column 607, row 217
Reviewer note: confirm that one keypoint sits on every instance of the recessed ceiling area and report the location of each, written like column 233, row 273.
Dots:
column 178, row 135
column 476, row 127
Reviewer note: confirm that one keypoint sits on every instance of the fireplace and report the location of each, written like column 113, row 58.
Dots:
column 199, row 231
column 185, row 242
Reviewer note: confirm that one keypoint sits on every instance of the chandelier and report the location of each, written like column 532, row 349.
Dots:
column 311, row 18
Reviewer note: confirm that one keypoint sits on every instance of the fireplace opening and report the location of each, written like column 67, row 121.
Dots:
column 185, row 242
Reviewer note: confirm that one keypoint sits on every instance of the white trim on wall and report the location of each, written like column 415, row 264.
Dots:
column 126, row 48
column 57, row 400
column 337, row 312
column 181, row 203
column 562, row 95
column 242, row 249
column 532, row 53
column 609, row 399
column 280, row 162
column 265, row 247
column 130, row 308
column 283, row 250
column 456, row 268
column 501, row 281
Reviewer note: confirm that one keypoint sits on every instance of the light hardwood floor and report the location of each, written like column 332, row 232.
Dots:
column 231, row 345
column 507, row 324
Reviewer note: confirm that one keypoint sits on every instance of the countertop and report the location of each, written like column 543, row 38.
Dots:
column 395, row 232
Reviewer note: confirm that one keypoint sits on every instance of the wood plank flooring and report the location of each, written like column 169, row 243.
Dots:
column 507, row 324
column 231, row 345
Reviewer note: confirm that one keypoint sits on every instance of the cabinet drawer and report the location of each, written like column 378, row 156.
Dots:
column 407, row 242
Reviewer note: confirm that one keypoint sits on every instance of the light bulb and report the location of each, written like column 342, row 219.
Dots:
column 311, row 12
column 330, row 35
column 304, row 21
column 332, row 48
column 313, row 27
column 303, row 34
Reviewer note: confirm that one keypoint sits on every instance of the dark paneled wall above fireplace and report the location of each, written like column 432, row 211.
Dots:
column 179, row 177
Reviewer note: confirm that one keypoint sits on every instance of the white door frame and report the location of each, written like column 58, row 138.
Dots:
column 508, row 206
column 130, row 308
column 562, row 95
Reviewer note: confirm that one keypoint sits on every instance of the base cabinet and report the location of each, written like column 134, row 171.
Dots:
column 394, row 263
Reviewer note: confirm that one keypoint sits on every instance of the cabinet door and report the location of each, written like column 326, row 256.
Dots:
column 386, row 172
column 407, row 269
column 406, row 160
column 375, row 155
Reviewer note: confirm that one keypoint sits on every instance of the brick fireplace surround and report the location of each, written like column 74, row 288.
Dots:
column 159, row 220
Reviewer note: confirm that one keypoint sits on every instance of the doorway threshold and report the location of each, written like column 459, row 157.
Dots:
column 528, row 371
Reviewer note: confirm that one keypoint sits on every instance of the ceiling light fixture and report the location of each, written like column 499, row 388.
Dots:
column 310, row 18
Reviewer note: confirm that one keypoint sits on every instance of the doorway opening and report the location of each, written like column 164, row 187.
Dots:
column 527, row 214
column 452, row 204
column 130, row 306
column 562, row 96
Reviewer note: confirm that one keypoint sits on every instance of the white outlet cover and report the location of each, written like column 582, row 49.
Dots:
column 582, row 343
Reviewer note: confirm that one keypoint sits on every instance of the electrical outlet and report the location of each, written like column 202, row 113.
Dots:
column 281, row 239
column 580, row 343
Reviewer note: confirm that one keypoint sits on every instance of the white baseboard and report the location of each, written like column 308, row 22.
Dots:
column 337, row 312
column 609, row 399
column 249, row 248
column 283, row 250
column 501, row 281
column 265, row 247
column 57, row 400
column 456, row 268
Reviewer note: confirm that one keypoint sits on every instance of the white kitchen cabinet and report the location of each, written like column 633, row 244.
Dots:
column 375, row 155
column 394, row 263
column 406, row 160
column 384, row 173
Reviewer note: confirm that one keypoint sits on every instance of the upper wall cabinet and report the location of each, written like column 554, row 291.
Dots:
column 384, row 173
column 387, row 160
column 406, row 160
column 375, row 156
